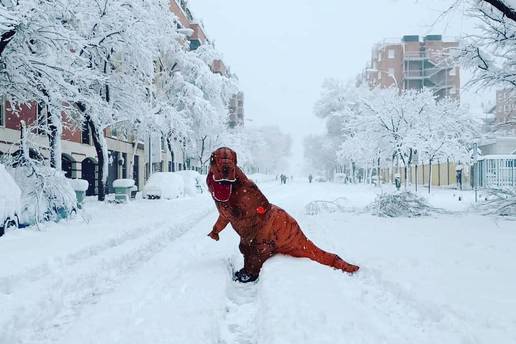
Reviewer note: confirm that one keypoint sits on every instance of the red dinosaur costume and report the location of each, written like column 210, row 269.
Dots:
column 264, row 228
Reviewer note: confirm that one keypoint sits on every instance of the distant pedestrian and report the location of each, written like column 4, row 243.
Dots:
column 458, row 175
column 310, row 177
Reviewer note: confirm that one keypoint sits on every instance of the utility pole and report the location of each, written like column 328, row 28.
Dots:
column 475, row 170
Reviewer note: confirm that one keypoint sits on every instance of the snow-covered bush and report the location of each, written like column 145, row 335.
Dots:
column 501, row 202
column 166, row 185
column 47, row 195
column 318, row 207
column 401, row 204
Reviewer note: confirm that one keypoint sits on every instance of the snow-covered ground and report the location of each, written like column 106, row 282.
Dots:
column 146, row 272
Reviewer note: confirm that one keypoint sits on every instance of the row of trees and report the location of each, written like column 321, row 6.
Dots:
column 104, row 63
column 374, row 128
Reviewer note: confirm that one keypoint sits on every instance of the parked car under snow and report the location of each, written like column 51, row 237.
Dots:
column 10, row 202
column 164, row 185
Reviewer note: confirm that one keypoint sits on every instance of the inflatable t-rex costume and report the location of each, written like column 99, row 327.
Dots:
column 264, row 228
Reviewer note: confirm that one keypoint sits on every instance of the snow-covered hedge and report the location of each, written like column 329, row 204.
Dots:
column 401, row 204
column 501, row 202
column 166, row 185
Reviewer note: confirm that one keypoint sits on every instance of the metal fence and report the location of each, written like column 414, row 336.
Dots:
column 497, row 171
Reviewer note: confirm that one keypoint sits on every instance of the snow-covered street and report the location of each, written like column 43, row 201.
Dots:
column 147, row 273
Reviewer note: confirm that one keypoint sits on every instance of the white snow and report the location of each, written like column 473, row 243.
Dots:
column 166, row 185
column 146, row 272
column 123, row 183
column 79, row 184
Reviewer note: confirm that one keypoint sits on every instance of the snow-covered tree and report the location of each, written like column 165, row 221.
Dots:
column 492, row 52
column 40, row 63
column 379, row 126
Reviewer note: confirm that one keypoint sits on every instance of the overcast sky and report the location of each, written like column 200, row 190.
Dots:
column 282, row 50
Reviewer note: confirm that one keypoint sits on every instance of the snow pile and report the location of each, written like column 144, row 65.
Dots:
column 194, row 182
column 167, row 185
column 123, row 183
column 317, row 207
column 501, row 202
column 10, row 196
column 79, row 184
column 401, row 204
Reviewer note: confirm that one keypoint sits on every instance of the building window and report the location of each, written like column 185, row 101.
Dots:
column 391, row 72
column 391, row 53
column 452, row 72
column 453, row 90
column 379, row 57
column 2, row 111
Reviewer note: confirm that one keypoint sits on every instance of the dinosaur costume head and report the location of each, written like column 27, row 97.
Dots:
column 223, row 170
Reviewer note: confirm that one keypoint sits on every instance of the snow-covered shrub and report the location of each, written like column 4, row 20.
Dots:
column 47, row 195
column 167, row 185
column 317, row 207
column 194, row 182
column 501, row 202
column 401, row 204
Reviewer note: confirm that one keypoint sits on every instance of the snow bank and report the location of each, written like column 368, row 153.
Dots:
column 194, row 182
column 79, row 184
column 402, row 204
column 167, row 185
column 123, row 183
column 10, row 196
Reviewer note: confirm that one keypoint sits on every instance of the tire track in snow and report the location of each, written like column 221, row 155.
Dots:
column 34, row 274
column 41, row 318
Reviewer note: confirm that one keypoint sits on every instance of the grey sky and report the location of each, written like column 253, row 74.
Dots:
column 282, row 50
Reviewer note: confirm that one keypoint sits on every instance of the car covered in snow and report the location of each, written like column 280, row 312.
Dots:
column 10, row 202
column 164, row 185
column 194, row 182
column 46, row 195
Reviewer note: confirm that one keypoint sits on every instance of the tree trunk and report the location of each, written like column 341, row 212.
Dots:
column 54, row 140
column 98, row 143
column 169, row 144
column 429, row 175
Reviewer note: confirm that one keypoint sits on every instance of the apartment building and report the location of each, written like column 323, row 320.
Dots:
column 415, row 63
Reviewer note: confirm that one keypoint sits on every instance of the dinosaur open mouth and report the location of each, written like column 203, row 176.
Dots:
column 221, row 190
